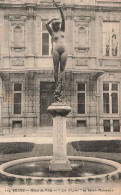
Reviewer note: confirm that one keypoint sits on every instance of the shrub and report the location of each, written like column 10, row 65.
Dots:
column 110, row 146
column 16, row 147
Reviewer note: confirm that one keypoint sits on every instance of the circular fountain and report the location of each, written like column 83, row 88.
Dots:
column 83, row 169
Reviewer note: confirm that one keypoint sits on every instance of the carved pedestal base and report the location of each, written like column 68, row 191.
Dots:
column 59, row 161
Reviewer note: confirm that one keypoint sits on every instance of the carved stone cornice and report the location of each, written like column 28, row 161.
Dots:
column 17, row 61
column 6, row 16
column 107, row 3
column 93, row 16
column 30, row 75
column 17, row 18
column 17, row 50
column 17, row 23
column 4, row 76
column 48, row 2
column 82, row 19
column 93, row 79
column 31, row 16
column 110, row 17
column 31, row 13
column 82, row 49
column 81, row 62
column 69, row 13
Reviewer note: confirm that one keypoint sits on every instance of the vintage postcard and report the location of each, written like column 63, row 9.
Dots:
column 60, row 97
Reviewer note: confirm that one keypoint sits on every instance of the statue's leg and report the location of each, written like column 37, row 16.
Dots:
column 63, row 61
column 56, row 65
column 56, row 60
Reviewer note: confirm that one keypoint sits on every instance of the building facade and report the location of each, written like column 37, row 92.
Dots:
column 93, row 71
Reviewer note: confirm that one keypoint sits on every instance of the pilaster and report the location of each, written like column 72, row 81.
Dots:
column 69, row 30
column 6, row 41
column 30, row 33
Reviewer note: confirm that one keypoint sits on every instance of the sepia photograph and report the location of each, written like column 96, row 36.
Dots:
column 60, row 97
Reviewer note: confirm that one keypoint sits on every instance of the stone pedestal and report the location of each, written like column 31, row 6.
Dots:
column 59, row 160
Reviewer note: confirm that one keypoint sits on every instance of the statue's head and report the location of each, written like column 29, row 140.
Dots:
column 56, row 25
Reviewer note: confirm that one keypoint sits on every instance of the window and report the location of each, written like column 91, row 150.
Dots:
column 17, row 98
column 81, row 123
column 116, row 126
column 81, row 98
column 110, row 98
column 46, row 46
column 17, row 36
column 111, row 39
column 17, row 124
column 106, row 124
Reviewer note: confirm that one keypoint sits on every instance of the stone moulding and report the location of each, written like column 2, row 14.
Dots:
column 17, row 61
column 59, row 108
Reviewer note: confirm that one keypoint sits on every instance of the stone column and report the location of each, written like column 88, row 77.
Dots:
column 59, row 161
column 1, row 99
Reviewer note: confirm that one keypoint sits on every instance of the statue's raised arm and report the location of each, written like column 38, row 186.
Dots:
column 54, row 20
column 62, row 16
column 48, row 25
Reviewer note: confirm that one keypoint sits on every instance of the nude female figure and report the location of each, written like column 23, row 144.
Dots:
column 59, row 50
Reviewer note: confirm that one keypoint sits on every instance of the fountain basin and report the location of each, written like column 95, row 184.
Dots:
column 102, row 169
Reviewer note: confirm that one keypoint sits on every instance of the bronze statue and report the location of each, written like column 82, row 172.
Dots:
column 59, row 53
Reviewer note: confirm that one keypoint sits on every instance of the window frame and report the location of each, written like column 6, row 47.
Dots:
column 50, row 40
column 17, row 92
column 104, row 121
column 111, row 122
column 84, row 121
column 116, row 126
column 81, row 92
column 110, row 92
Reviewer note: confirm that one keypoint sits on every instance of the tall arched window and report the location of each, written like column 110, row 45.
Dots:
column 17, row 36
